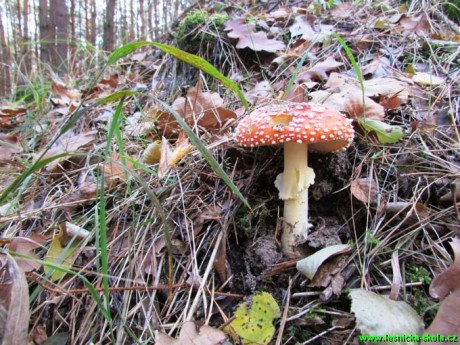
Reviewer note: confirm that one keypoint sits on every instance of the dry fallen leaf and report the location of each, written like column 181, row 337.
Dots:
column 305, row 27
column 343, row 10
column 319, row 72
column 379, row 67
column 260, row 93
column 220, row 261
column 417, row 25
column 447, row 320
column 412, row 213
column 64, row 249
column 9, row 145
column 390, row 92
column 365, row 189
column 371, row 110
column 9, row 110
column 114, row 172
column 329, row 276
column 446, row 287
column 204, row 109
column 66, row 95
column 83, row 194
column 449, row 280
column 111, row 81
column 14, row 304
column 190, row 334
column 311, row 264
column 25, row 246
column 11, row 115
column 378, row 315
column 248, row 38
column 68, row 144
column 296, row 94
column 387, row 87
column 427, row 79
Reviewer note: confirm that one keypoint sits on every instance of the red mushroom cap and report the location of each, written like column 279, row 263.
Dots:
column 323, row 129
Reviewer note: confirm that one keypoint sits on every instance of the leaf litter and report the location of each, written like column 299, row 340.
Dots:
column 391, row 197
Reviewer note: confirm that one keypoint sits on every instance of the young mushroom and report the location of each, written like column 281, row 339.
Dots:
column 301, row 127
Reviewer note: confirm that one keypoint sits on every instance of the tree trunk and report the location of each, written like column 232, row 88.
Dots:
column 131, row 31
column 124, row 22
column 62, row 34
column 5, row 60
column 150, row 22
column 176, row 9
column 141, row 20
column 26, row 47
column 17, row 31
column 157, row 19
column 72, row 39
column 93, row 22
column 109, row 32
column 165, row 16
column 52, row 32
column 46, row 34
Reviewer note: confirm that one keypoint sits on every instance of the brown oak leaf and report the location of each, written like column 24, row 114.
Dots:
column 248, row 38
column 320, row 71
column 190, row 334
column 204, row 109
column 446, row 287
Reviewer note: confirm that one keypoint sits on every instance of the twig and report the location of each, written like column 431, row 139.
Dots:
column 279, row 339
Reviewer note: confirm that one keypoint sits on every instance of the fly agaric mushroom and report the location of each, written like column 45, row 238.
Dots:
column 300, row 127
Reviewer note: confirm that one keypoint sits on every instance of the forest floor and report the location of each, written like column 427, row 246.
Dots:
column 127, row 227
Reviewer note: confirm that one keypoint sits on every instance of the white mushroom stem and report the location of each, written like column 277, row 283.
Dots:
column 293, row 186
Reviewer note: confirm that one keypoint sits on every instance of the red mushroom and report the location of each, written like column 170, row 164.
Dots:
column 300, row 127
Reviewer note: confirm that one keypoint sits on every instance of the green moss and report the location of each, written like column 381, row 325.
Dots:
column 371, row 239
column 219, row 19
column 190, row 22
column 197, row 27
column 417, row 274
column 423, row 305
column 452, row 10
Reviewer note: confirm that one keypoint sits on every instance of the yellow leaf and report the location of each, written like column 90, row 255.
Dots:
column 427, row 79
column 169, row 157
column 62, row 255
column 253, row 322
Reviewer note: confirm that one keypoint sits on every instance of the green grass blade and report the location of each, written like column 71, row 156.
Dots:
column 188, row 58
column 297, row 70
column 116, row 96
column 33, row 168
column 206, row 154
column 100, row 212
column 353, row 63
column 124, row 50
